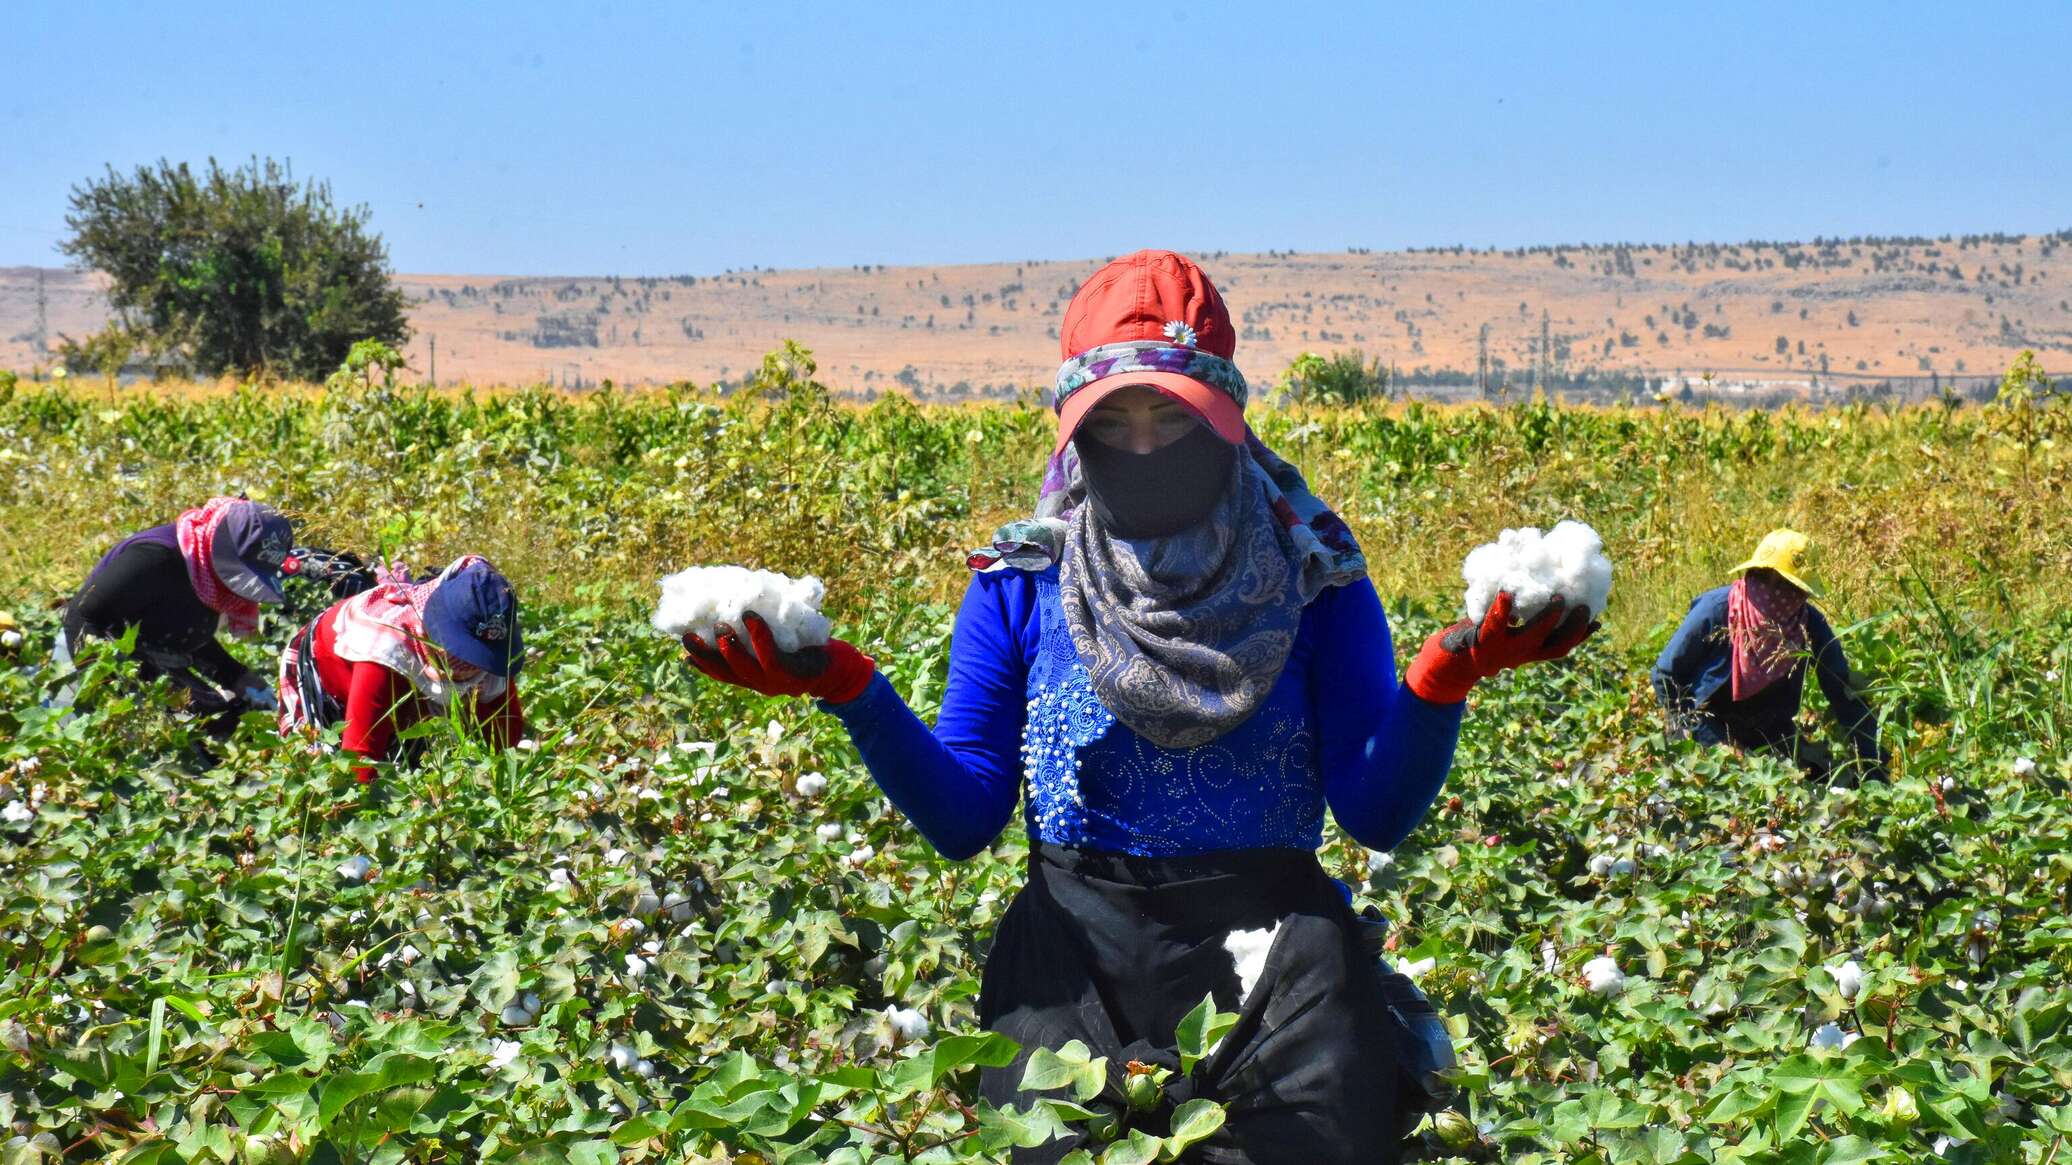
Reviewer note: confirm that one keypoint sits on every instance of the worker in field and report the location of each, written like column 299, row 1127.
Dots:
column 390, row 656
column 1735, row 670
column 178, row 585
column 1179, row 664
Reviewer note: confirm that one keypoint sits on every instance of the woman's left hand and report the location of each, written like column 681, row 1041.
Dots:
column 836, row 673
column 1453, row 661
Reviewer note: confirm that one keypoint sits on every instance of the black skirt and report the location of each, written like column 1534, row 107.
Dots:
column 1114, row 951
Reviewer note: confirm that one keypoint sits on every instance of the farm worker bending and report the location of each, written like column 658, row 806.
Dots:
column 1181, row 658
column 385, row 658
column 1735, row 670
column 178, row 584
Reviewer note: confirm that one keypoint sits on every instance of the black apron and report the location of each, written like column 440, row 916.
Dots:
column 1114, row 951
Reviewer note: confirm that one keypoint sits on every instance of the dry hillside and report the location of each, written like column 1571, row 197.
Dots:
column 1786, row 315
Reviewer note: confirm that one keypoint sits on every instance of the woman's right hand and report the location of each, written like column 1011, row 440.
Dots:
column 836, row 672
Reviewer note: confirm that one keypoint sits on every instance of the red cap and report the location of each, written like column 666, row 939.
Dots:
column 1155, row 296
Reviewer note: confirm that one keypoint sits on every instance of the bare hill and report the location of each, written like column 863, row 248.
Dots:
column 1761, row 315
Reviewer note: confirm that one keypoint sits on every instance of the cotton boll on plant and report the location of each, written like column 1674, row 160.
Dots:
column 1568, row 561
column 696, row 600
column 1603, row 977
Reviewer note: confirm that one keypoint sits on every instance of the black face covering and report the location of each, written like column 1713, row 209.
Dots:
column 1165, row 491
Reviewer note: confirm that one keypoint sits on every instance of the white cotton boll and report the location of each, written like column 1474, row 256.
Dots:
column 1603, row 976
column 532, row 1002
column 528, row 745
column 677, row 906
column 1248, row 955
column 502, row 1052
column 1848, row 978
column 907, row 1023
column 558, row 879
column 515, row 1015
column 860, row 855
column 1830, row 1037
column 2025, row 766
column 645, row 1069
column 621, row 1056
column 17, row 813
column 635, row 966
column 354, row 869
column 10, row 638
column 1417, row 969
column 1379, row 860
column 695, row 600
column 832, row 831
column 1624, row 867
column 1547, row 956
column 1601, row 865
column 614, row 856
column 1568, row 561
column 812, row 785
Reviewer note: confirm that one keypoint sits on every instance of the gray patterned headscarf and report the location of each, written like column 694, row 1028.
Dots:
column 1184, row 635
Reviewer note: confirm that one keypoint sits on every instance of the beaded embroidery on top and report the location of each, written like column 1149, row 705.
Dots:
column 1093, row 782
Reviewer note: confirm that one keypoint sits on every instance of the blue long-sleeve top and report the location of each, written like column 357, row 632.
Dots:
column 1337, row 730
column 1691, row 678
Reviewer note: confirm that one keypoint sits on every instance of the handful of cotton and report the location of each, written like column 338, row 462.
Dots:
column 1568, row 561
column 694, row 600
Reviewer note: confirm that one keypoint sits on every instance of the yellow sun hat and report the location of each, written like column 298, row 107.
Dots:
column 1787, row 552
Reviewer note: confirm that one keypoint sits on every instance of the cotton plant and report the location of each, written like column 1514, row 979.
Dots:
column 1533, row 568
column 697, row 600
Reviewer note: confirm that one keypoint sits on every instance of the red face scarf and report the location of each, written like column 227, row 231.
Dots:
column 197, row 533
column 1766, row 625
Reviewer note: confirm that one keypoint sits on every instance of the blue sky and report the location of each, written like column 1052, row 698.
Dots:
column 633, row 138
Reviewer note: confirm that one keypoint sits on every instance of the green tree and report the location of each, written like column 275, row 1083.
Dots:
column 1342, row 377
column 235, row 270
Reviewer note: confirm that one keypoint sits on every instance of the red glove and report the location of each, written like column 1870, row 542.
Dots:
column 1463, row 655
column 836, row 673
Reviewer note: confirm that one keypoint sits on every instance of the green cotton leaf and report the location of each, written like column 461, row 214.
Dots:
column 384, row 1071
column 645, row 1127
column 1139, row 1148
column 1193, row 1121
column 1069, row 1066
column 1851, row 1150
column 1792, row 1110
column 953, row 1054
column 1200, row 1031
column 1568, row 1123
column 1009, row 1127
column 1734, row 1099
column 593, row 1153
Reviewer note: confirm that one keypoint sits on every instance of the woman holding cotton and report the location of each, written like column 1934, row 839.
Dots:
column 180, row 584
column 1735, row 671
column 392, row 655
column 1181, row 658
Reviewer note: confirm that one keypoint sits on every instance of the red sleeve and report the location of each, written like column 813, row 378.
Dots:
column 371, row 703
column 503, row 721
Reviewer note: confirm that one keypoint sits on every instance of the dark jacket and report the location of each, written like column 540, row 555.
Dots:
column 1693, row 678
column 143, row 583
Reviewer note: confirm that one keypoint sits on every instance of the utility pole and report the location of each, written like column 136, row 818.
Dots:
column 42, row 317
column 435, row 361
column 1546, row 351
column 1482, row 361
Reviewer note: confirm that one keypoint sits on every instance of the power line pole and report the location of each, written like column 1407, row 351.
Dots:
column 1546, row 351
column 42, row 317
column 435, row 361
column 1482, row 361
